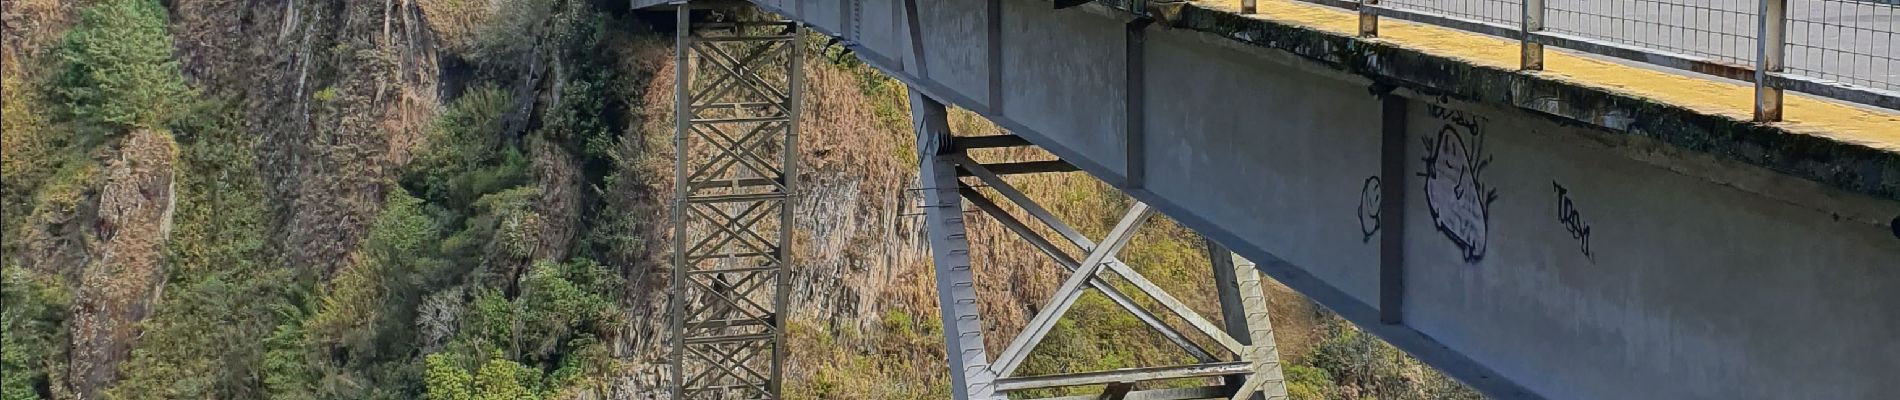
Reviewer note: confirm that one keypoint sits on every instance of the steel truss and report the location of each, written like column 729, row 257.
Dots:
column 1245, row 355
column 737, row 92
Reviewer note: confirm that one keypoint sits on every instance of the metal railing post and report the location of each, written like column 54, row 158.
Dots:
column 1368, row 22
column 1533, row 52
column 1770, row 47
column 1247, row 7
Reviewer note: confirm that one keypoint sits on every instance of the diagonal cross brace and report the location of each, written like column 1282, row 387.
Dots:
column 1061, row 258
column 729, row 254
column 1070, row 290
column 1174, row 305
column 743, row 151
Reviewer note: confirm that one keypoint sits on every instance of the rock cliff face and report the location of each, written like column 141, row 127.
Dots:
column 350, row 105
column 853, row 250
column 342, row 91
column 121, row 282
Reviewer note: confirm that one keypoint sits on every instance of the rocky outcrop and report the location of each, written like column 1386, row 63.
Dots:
column 349, row 90
column 118, row 288
column 557, row 178
column 29, row 27
column 57, row 237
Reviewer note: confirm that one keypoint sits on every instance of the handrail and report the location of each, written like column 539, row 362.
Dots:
column 1769, row 70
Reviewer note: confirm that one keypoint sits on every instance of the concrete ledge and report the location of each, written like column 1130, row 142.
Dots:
column 1851, row 166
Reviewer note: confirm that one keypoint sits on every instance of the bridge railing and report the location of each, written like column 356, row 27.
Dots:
column 1842, row 49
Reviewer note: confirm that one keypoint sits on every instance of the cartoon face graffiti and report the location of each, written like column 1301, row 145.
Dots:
column 1459, row 201
column 1369, row 199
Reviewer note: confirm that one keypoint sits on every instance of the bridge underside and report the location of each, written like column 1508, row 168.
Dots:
column 1529, row 236
column 1244, row 352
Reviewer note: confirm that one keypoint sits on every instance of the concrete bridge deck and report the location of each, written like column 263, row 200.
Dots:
column 1598, row 230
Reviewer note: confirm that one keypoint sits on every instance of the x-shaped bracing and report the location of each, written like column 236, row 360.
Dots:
column 737, row 89
column 736, row 69
column 751, row 151
column 732, row 361
column 1086, row 274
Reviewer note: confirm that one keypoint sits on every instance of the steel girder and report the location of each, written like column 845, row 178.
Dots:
column 1245, row 349
column 736, row 105
column 970, row 374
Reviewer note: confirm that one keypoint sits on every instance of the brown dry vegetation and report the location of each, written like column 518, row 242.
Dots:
column 116, row 291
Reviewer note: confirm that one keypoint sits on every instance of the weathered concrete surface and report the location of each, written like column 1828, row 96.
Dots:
column 1674, row 286
column 1563, row 237
column 1071, row 84
column 1853, row 148
column 1251, row 151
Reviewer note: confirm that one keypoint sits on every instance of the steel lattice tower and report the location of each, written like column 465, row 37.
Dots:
column 738, row 87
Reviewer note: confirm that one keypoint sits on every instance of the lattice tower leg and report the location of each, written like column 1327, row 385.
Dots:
column 737, row 87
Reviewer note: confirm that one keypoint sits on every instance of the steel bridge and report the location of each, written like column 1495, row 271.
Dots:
column 1649, row 235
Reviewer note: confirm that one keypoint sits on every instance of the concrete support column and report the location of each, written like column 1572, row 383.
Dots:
column 1532, row 52
column 1393, row 173
column 1368, row 22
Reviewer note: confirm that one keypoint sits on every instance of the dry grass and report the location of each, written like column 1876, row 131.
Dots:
column 457, row 22
column 31, row 26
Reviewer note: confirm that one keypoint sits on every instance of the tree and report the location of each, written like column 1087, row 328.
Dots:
column 34, row 307
column 118, row 72
column 498, row 379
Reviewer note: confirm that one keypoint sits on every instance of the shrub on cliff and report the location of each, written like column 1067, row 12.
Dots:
column 117, row 68
column 35, row 306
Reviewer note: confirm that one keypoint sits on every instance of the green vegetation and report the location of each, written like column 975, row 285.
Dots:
column 495, row 264
column 25, row 146
column 28, row 331
column 112, row 72
column 221, row 286
column 443, row 295
column 1360, row 365
column 467, row 158
column 498, row 379
column 448, row 299
column 118, row 69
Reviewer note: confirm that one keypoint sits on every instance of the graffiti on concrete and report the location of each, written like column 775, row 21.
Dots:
column 1455, row 190
column 1369, row 199
column 1572, row 220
